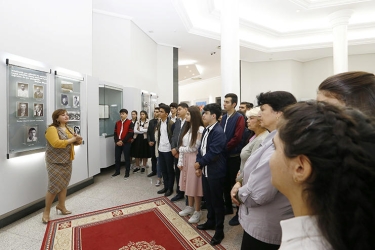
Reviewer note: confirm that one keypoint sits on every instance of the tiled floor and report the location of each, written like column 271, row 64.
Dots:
column 28, row 232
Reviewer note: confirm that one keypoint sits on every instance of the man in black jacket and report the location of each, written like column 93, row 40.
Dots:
column 151, row 141
column 179, row 128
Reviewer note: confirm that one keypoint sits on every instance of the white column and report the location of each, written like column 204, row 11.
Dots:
column 230, row 49
column 339, row 21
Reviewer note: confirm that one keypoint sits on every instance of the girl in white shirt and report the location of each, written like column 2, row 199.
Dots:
column 324, row 163
column 190, row 140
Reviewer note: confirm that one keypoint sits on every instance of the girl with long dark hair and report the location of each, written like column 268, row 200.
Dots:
column 324, row 164
column 190, row 141
column 140, row 149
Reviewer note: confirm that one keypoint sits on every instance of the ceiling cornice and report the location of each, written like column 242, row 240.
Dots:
column 317, row 4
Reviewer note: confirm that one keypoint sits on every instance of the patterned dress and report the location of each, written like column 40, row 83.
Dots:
column 59, row 156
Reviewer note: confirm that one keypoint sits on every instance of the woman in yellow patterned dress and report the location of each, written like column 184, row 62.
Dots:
column 59, row 155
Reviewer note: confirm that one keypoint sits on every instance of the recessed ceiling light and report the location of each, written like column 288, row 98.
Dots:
column 297, row 11
column 187, row 67
column 189, row 70
column 193, row 74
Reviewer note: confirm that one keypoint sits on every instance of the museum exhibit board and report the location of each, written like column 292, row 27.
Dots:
column 67, row 96
column 145, row 105
column 26, row 98
column 110, row 104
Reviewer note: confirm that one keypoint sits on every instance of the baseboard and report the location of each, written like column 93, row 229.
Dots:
column 29, row 209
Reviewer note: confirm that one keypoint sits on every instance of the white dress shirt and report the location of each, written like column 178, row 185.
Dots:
column 302, row 233
column 204, row 146
column 164, row 144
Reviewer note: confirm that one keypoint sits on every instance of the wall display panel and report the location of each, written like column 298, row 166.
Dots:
column 67, row 96
column 110, row 104
column 153, row 104
column 27, row 90
column 146, row 102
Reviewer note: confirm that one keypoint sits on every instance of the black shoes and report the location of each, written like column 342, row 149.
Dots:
column 142, row 170
column 115, row 174
column 205, row 226
column 218, row 237
column 126, row 176
column 234, row 221
column 228, row 210
column 203, row 205
column 136, row 170
column 178, row 196
column 151, row 174
column 168, row 193
column 162, row 191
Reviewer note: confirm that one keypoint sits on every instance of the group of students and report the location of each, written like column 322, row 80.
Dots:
column 307, row 165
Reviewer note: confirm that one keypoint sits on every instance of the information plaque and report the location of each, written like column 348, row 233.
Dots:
column 27, row 109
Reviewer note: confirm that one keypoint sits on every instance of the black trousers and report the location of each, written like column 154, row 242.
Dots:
column 250, row 243
column 213, row 193
column 177, row 174
column 154, row 160
column 119, row 150
column 233, row 165
column 166, row 167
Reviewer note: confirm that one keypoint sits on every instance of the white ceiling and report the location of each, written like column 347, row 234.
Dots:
column 269, row 29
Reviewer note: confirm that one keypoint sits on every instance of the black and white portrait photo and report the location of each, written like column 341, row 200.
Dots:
column 32, row 134
column 22, row 109
column 22, row 89
column 38, row 109
column 38, row 91
column 77, row 130
column 64, row 100
column 75, row 101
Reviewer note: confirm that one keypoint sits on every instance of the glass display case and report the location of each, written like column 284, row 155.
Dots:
column 110, row 103
column 67, row 96
column 153, row 104
column 26, row 98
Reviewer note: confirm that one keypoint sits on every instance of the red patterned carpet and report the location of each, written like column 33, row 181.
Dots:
column 151, row 224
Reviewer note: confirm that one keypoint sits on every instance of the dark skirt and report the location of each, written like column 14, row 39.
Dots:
column 140, row 148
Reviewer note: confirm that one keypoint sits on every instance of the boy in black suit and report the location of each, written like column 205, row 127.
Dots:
column 211, row 164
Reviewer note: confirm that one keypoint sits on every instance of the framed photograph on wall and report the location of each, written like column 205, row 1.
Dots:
column 66, row 87
column 75, row 101
column 22, row 109
column 32, row 133
column 64, row 100
column 38, row 109
column 22, row 89
column 38, row 91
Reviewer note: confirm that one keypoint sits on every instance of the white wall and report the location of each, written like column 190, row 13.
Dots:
column 301, row 79
column 55, row 32
column 111, row 49
column 257, row 77
column 202, row 90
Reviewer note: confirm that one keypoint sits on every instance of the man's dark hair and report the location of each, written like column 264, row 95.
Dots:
column 166, row 108
column 162, row 103
column 213, row 108
column 183, row 105
column 278, row 100
column 32, row 129
column 248, row 105
column 173, row 105
column 233, row 96
column 156, row 108
column 124, row 111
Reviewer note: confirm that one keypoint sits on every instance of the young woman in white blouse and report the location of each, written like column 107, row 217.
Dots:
column 324, row 163
column 140, row 149
column 190, row 141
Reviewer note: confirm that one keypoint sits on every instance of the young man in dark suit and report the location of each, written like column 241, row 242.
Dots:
column 179, row 127
column 151, row 140
column 211, row 165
